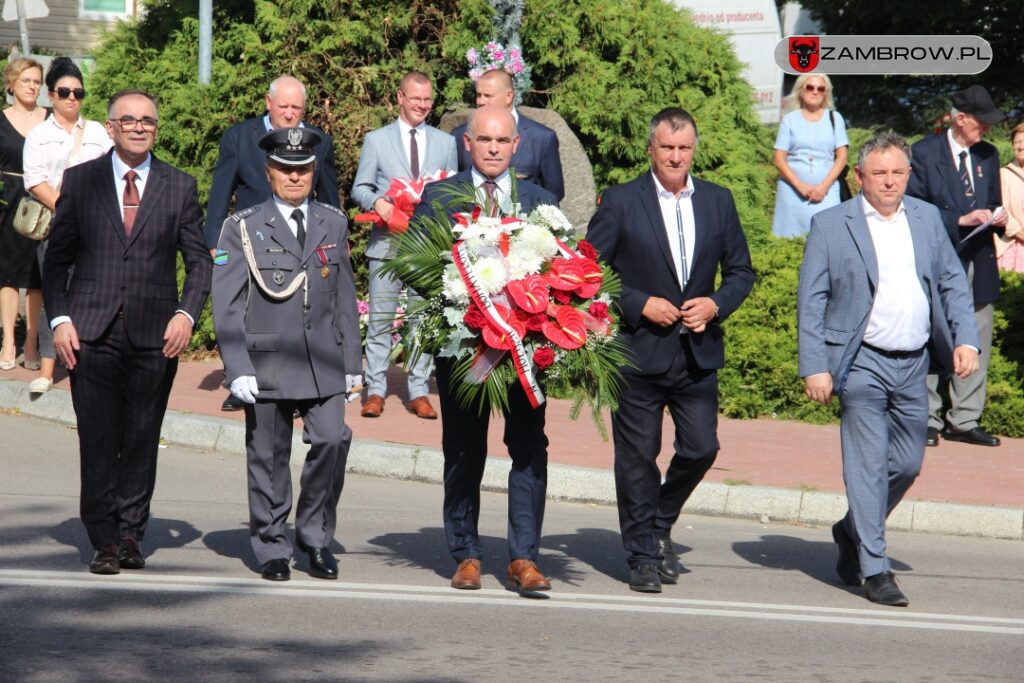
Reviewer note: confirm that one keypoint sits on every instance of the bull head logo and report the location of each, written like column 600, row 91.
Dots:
column 803, row 53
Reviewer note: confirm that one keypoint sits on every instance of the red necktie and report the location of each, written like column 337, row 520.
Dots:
column 131, row 201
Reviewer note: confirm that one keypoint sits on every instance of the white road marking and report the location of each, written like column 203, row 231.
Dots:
column 167, row 583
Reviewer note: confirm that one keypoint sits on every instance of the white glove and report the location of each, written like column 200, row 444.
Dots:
column 353, row 387
column 244, row 388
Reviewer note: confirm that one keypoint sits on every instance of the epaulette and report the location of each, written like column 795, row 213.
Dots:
column 237, row 217
column 331, row 208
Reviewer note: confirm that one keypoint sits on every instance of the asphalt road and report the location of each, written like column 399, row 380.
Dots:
column 761, row 602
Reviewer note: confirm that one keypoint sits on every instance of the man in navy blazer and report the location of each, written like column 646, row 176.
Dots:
column 959, row 173
column 491, row 139
column 536, row 158
column 881, row 294
column 111, row 291
column 668, row 235
column 239, row 173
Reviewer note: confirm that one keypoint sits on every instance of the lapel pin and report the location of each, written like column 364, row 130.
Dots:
column 259, row 235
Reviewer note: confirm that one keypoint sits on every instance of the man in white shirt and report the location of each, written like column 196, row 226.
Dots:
column 881, row 295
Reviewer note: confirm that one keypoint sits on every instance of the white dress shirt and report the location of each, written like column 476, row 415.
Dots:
column 502, row 193
column 48, row 146
column 141, row 171
column 668, row 203
column 286, row 209
column 955, row 149
column 900, row 316
column 421, row 141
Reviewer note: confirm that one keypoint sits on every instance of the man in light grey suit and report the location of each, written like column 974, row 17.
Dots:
column 406, row 148
column 285, row 316
column 881, row 294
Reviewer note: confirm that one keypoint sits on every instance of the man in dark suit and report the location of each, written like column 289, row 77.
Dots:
column 491, row 140
column 110, row 288
column 284, row 308
column 881, row 292
column 959, row 173
column 536, row 158
column 239, row 173
column 667, row 235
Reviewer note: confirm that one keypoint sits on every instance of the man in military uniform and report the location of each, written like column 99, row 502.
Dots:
column 285, row 316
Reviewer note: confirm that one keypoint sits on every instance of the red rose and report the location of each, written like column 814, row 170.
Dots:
column 535, row 323
column 598, row 310
column 586, row 249
column 543, row 356
column 561, row 296
column 474, row 318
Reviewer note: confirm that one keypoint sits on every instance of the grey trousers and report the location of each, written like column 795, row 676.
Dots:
column 883, row 420
column 966, row 396
column 268, row 448
column 384, row 292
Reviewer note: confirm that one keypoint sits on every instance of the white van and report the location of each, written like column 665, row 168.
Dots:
column 754, row 27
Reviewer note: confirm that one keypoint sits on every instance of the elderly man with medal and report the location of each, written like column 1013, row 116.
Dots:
column 284, row 311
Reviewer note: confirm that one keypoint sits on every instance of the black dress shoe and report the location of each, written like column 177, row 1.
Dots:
column 321, row 562
column 848, row 564
column 105, row 560
column 276, row 570
column 645, row 579
column 130, row 554
column 882, row 588
column 669, row 568
column 976, row 436
column 933, row 437
column 231, row 404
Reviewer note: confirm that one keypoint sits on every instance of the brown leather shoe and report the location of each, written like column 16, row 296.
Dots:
column 526, row 577
column 467, row 576
column 422, row 408
column 373, row 407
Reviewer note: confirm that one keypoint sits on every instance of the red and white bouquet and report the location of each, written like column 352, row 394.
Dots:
column 514, row 299
column 404, row 194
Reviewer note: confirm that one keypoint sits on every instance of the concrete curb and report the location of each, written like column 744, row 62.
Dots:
column 565, row 482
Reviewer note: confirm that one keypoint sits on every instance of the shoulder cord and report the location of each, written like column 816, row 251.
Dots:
column 250, row 258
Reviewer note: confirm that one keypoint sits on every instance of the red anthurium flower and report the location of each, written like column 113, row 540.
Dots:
column 592, row 278
column 530, row 293
column 568, row 329
column 495, row 337
column 565, row 275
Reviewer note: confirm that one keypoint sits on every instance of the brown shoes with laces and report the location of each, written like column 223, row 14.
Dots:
column 525, row 576
column 467, row 576
column 373, row 407
column 421, row 408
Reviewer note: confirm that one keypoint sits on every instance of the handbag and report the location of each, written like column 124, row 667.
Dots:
column 32, row 218
column 844, row 186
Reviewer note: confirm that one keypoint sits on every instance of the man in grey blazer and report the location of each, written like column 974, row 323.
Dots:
column 284, row 310
column 406, row 148
column 881, row 295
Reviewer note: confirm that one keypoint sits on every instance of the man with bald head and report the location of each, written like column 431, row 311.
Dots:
column 239, row 179
column 491, row 141
column 536, row 158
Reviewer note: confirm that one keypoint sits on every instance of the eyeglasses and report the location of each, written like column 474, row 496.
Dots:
column 815, row 88
column 422, row 101
column 64, row 93
column 129, row 123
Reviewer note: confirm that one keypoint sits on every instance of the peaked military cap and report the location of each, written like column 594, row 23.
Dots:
column 291, row 146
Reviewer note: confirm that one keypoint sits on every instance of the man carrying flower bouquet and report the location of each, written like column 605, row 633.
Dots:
column 405, row 151
column 491, row 140
column 668, row 235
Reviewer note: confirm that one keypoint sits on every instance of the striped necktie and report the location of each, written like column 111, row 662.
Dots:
column 965, row 178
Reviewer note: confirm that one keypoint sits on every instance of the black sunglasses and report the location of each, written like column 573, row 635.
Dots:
column 64, row 93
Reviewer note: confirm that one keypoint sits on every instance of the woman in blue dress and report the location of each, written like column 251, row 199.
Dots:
column 810, row 153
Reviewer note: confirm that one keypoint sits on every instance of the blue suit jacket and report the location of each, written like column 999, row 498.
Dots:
column 536, row 159
column 629, row 234
column 838, row 277
column 935, row 179
column 241, row 172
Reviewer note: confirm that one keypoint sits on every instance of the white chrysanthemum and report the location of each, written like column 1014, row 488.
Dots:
column 553, row 218
column 536, row 239
column 452, row 286
column 492, row 274
column 522, row 262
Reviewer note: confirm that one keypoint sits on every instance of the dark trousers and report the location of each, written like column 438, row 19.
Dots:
column 268, row 448
column 647, row 507
column 120, row 396
column 464, row 441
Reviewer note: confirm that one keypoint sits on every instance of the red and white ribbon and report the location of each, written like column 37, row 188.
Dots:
column 483, row 301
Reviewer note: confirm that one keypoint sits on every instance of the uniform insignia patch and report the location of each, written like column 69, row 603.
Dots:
column 278, row 278
column 220, row 258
